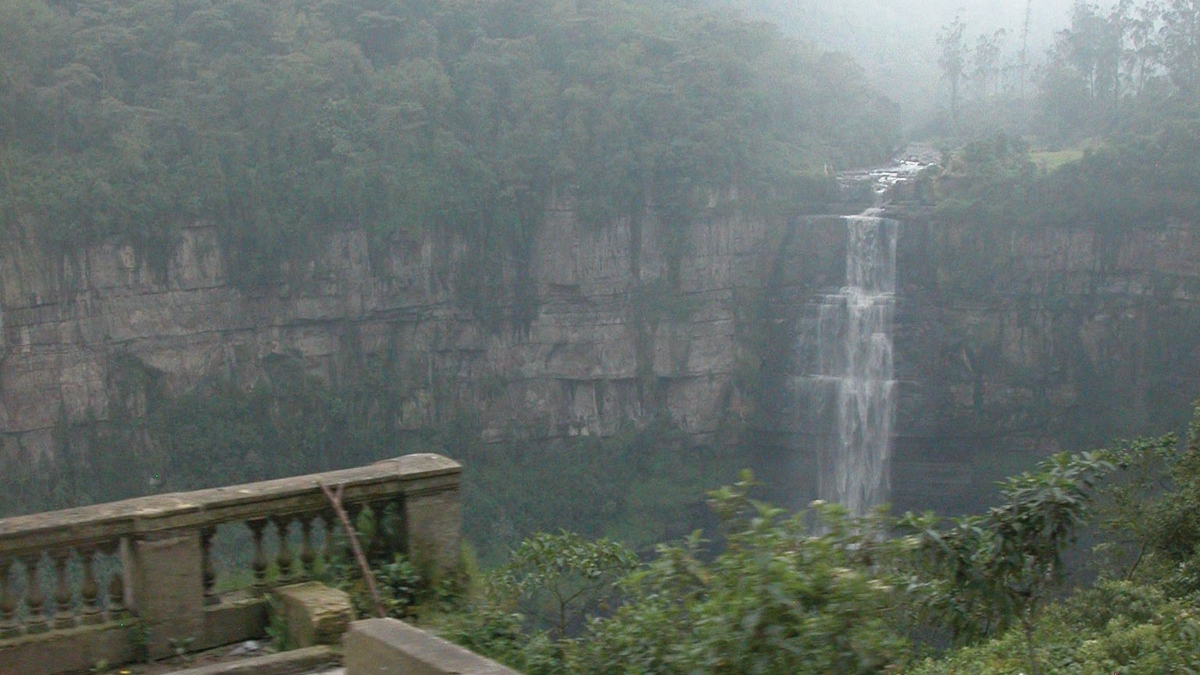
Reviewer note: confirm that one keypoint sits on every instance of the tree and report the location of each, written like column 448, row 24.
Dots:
column 1092, row 46
column 996, row 570
column 1023, row 56
column 561, row 578
column 275, row 121
column 986, row 61
column 1084, row 80
column 1142, row 52
column 1151, row 509
column 953, row 62
column 1180, row 37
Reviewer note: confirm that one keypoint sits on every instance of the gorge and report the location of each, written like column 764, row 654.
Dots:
column 1002, row 353
column 279, row 277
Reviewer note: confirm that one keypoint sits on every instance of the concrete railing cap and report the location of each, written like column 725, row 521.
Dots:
column 392, row 647
column 409, row 474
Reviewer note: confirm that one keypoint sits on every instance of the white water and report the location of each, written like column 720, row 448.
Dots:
column 850, row 374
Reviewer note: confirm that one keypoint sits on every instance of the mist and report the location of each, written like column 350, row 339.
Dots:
column 896, row 41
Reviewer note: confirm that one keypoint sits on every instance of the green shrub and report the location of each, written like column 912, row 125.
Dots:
column 781, row 598
column 559, row 579
column 400, row 585
column 1114, row 627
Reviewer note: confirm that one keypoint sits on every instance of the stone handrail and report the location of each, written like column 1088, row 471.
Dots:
column 160, row 590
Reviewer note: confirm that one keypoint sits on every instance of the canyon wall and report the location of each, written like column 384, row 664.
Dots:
column 623, row 327
column 1025, row 343
column 1034, row 342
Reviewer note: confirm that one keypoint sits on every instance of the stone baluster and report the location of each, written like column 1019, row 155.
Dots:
column 307, row 555
column 63, row 617
column 89, row 591
column 373, row 547
column 208, row 571
column 376, row 548
column 116, row 596
column 283, row 557
column 401, row 527
column 328, row 518
column 8, row 602
column 258, row 563
column 353, row 511
column 116, row 583
column 35, row 621
column 399, row 543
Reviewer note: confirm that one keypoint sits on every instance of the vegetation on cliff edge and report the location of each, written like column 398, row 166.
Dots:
column 277, row 121
column 827, row 593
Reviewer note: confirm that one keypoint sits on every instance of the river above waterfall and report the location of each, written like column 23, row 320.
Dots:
column 877, row 183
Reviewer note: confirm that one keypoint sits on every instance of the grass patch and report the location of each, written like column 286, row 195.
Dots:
column 1051, row 160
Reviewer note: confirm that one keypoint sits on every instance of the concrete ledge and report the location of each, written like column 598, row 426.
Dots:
column 391, row 647
column 64, row 651
column 316, row 614
column 239, row 617
column 294, row 662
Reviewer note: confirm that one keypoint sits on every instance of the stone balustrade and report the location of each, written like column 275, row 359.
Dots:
column 109, row 581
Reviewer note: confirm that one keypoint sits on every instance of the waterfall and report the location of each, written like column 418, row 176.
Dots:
column 846, row 346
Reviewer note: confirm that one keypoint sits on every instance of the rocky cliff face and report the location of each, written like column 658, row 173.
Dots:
column 1037, row 342
column 1057, row 338
column 620, row 331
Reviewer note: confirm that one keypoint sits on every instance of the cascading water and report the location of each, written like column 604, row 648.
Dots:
column 847, row 345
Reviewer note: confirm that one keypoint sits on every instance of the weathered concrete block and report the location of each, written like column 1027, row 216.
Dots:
column 315, row 613
column 434, row 527
column 391, row 647
column 237, row 618
column 168, row 590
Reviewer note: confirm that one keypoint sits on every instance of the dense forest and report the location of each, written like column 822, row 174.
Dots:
column 278, row 120
column 1123, row 69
